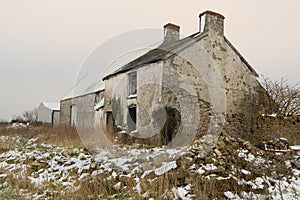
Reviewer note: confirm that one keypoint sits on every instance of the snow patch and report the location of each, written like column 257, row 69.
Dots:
column 165, row 168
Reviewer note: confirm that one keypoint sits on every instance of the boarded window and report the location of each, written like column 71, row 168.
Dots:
column 131, row 119
column 73, row 120
column 132, row 87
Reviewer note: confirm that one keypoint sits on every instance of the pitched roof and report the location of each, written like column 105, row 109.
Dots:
column 51, row 106
column 159, row 53
column 164, row 51
column 94, row 87
column 87, row 85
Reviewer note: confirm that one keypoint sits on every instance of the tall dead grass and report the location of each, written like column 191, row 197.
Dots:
column 61, row 135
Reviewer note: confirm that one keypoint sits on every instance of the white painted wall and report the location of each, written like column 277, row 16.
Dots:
column 44, row 114
column 47, row 115
column 149, row 80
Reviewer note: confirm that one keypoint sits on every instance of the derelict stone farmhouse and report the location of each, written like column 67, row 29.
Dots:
column 180, row 86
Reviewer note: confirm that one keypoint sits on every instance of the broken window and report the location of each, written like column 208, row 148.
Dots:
column 131, row 119
column 99, row 101
column 132, row 83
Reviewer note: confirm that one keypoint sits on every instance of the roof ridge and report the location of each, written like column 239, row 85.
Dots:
column 158, row 53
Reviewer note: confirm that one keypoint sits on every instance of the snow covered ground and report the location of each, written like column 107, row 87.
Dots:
column 46, row 164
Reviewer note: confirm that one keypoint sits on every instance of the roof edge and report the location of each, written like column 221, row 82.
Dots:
column 137, row 66
column 159, row 58
column 241, row 57
column 81, row 95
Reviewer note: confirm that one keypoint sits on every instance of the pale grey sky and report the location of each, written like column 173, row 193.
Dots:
column 44, row 42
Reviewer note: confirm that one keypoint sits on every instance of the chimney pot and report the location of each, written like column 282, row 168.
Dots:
column 212, row 22
column 171, row 33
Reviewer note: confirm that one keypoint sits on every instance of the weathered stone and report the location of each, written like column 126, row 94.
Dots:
column 64, row 179
column 210, row 139
column 188, row 159
column 57, row 176
column 128, row 170
column 221, row 144
column 296, row 163
column 235, row 145
column 220, row 170
column 146, row 166
column 10, row 161
column 240, row 141
column 142, row 158
column 93, row 166
column 247, row 145
column 38, row 165
column 189, row 154
column 227, row 140
column 157, row 161
column 209, row 160
column 218, row 153
column 198, row 142
column 35, row 175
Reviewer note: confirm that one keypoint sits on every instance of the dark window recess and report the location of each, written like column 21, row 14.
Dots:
column 97, row 97
column 132, row 83
column 131, row 119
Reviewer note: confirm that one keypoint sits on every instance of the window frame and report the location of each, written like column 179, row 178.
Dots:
column 132, row 90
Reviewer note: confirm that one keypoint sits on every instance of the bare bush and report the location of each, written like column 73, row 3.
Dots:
column 18, row 119
column 30, row 116
column 287, row 96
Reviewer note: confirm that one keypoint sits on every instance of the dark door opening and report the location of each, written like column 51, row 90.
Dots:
column 110, row 122
column 172, row 124
column 131, row 119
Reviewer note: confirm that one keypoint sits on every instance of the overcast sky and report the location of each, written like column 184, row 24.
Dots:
column 44, row 42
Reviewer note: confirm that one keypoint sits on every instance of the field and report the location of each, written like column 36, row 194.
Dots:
column 42, row 162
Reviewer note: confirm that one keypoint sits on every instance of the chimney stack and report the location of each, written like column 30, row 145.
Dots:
column 212, row 22
column 171, row 33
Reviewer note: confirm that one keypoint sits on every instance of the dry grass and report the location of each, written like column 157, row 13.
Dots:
column 98, row 187
column 101, row 187
column 61, row 135
column 17, row 186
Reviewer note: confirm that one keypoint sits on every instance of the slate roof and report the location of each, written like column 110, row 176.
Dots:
column 159, row 53
column 164, row 51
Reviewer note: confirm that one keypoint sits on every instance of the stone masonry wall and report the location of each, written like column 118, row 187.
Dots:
column 211, row 65
column 85, row 110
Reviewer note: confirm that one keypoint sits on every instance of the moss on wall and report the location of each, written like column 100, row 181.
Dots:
column 117, row 111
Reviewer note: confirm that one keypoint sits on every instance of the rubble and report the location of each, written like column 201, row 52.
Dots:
column 227, row 161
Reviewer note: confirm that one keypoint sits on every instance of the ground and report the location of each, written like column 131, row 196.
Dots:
column 32, row 166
